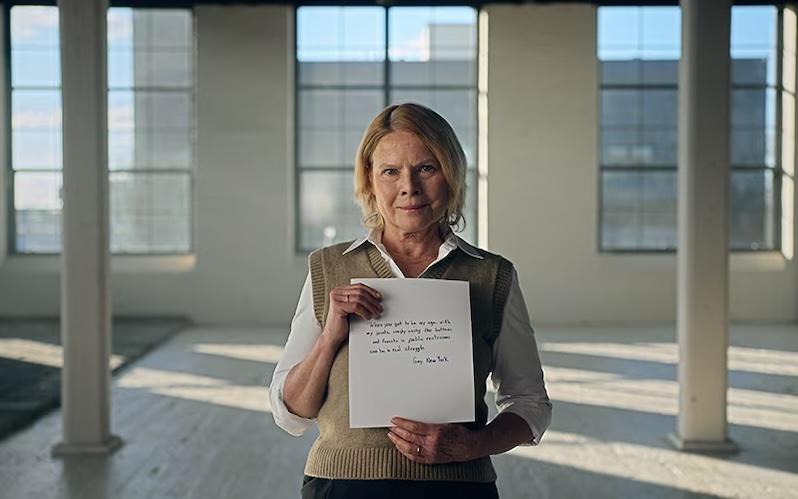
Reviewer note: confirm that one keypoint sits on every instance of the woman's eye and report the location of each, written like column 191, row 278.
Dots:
column 389, row 172
column 428, row 168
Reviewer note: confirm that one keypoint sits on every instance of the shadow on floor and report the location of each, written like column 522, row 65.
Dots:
column 30, row 376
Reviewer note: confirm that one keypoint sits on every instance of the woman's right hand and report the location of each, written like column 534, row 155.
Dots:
column 357, row 299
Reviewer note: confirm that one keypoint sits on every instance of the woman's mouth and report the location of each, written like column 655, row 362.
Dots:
column 413, row 208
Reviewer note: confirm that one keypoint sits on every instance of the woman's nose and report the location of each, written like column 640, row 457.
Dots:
column 410, row 184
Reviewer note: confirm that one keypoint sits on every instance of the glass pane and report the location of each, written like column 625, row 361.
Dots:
column 37, row 191
column 620, row 72
column 753, row 44
column 750, row 107
column 34, row 46
column 458, row 107
column 162, row 110
column 629, row 33
column 660, row 33
column 618, row 32
column 657, row 148
column 321, row 73
column 162, row 28
column 319, row 148
column 149, row 48
column 658, row 230
column 332, row 123
column 620, row 231
column 328, row 212
column 38, row 231
column 620, row 146
column 638, row 210
column 659, row 193
column 36, row 110
column 620, row 107
column 752, row 147
column 753, row 127
column 171, row 149
column 433, row 46
column 163, row 68
column 135, row 140
column 36, row 149
column 752, row 210
column 37, row 206
column 150, row 212
column 340, row 45
column 659, row 109
column 662, row 72
column 621, row 192
column 749, row 68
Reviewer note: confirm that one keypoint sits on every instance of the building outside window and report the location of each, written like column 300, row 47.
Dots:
column 150, row 129
column 638, row 51
column 351, row 63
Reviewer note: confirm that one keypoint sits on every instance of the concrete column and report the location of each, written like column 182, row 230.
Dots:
column 703, row 217
column 85, row 300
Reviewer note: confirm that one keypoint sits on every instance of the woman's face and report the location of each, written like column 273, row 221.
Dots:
column 408, row 183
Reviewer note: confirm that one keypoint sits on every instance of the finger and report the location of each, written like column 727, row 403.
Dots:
column 364, row 312
column 353, row 304
column 366, row 299
column 413, row 426
column 408, row 436
column 359, row 296
column 408, row 450
column 368, row 289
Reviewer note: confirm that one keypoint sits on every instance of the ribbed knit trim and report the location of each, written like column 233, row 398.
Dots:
column 317, row 279
column 504, row 279
column 378, row 262
column 389, row 464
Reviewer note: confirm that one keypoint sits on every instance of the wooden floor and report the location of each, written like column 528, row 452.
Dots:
column 195, row 418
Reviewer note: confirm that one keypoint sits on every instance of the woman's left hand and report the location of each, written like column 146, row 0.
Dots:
column 431, row 443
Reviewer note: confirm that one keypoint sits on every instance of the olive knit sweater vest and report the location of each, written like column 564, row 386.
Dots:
column 367, row 453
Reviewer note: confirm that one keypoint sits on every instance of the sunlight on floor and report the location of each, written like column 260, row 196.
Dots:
column 38, row 352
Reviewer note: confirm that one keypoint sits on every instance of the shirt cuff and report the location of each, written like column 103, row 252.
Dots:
column 285, row 419
column 536, row 414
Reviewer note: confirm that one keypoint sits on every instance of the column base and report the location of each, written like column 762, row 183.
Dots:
column 106, row 447
column 703, row 446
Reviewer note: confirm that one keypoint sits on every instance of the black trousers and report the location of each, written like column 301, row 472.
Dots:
column 322, row 488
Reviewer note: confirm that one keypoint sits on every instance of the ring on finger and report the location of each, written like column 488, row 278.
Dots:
column 418, row 450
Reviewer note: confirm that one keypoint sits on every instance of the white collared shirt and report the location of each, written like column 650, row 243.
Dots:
column 517, row 376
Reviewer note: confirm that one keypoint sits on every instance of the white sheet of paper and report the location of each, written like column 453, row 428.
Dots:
column 415, row 361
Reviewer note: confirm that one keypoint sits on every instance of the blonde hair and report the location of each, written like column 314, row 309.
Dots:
column 437, row 135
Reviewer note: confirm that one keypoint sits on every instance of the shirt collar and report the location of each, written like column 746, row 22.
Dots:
column 451, row 241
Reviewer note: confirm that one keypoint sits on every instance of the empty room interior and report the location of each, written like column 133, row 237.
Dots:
column 169, row 170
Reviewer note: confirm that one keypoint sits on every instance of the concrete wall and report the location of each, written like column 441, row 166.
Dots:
column 542, row 188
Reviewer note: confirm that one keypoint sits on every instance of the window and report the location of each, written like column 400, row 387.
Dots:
column 351, row 63
column 639, row 50
column 150, row 129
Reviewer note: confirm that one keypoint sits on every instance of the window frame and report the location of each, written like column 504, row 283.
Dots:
column 11, row 228
column 777, row 170
column 472, row 174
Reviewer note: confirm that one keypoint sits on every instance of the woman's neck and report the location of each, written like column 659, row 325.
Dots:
column 412, row 246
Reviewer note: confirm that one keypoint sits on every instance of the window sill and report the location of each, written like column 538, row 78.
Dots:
column 764, row 261
column 122, row 264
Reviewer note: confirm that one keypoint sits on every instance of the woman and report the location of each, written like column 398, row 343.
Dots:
column 410, row 184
